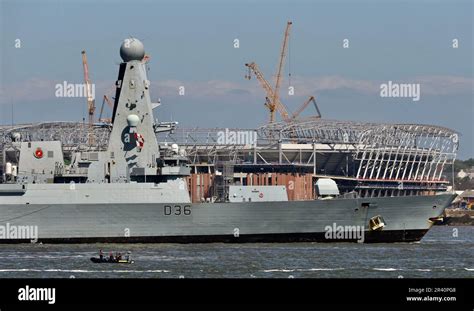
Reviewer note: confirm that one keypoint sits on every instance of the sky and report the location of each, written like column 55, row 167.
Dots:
column 191, row 44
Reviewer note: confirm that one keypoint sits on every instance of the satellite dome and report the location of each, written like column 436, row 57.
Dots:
column 132, row 49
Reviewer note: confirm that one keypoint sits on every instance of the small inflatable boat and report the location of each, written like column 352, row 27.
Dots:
column 108, row 260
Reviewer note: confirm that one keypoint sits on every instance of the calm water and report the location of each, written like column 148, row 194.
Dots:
column 439, row 254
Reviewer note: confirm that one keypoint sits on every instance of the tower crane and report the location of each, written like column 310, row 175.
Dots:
column 272, row 100
column 273, row 103
column 90, row 99
column 276, row 94
column 109, row 103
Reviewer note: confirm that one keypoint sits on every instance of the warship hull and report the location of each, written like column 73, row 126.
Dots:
column 406, row 219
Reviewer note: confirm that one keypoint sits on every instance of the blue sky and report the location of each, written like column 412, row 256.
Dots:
column 191, row 44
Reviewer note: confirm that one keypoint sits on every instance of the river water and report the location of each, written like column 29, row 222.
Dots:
column 445, row 252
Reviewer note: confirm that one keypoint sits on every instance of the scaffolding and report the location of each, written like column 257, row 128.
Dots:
column 375, row 159
column 223, row 179
column 73, row 135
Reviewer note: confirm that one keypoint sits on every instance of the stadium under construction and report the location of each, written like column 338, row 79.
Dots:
column 364, row 159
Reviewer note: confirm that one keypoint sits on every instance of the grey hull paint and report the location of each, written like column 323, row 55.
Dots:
column 407, row 219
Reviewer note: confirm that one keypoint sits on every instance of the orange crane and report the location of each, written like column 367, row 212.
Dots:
column 284, row 48
column 109, row 103
column 272, row 102
column 90, row 99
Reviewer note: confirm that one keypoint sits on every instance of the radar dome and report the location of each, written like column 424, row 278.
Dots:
column 132, row 49
column 133, row 120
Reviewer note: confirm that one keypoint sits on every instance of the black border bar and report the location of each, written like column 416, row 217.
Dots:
column 243, row 291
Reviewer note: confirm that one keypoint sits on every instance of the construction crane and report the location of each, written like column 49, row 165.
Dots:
column 90, row 99
column 109, row 103
column 284, row 48
column 272, row 100
column 296, row 114
column 273, row 103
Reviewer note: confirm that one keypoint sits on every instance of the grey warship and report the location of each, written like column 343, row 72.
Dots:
column 132, row 192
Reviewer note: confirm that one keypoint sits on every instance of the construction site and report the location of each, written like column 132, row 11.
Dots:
column 364, row 159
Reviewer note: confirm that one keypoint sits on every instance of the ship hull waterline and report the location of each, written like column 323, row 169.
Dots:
column 407, row 219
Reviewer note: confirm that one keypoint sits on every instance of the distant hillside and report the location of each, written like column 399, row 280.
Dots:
column 460, row 183
column 463, row 165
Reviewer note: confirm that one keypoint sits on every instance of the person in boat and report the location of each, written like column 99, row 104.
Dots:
column 119, row 256
column 101, row 255
column 111, row 256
